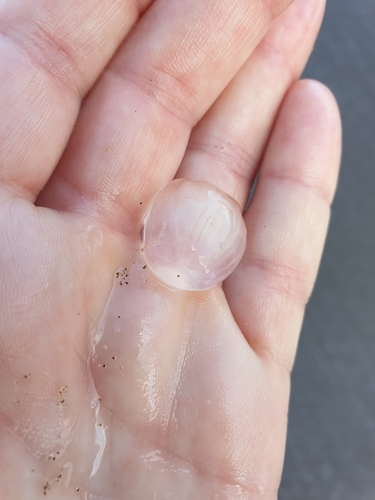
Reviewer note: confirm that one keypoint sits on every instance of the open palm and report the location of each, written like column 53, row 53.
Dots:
column 153, row 394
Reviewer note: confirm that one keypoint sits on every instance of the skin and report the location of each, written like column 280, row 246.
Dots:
column 191, row 388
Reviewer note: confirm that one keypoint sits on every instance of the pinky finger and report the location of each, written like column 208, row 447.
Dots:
column 287, row 222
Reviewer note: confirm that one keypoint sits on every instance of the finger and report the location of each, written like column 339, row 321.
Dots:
column 228, row 143
column 287, row 222
column 51, row 53
column 134, row 127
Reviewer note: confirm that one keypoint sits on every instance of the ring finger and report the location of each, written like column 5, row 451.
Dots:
column 228, row 143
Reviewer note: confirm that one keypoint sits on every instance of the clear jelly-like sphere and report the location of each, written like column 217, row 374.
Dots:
column 194, row 235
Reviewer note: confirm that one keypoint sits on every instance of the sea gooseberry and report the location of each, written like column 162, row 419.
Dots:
column 194, row 235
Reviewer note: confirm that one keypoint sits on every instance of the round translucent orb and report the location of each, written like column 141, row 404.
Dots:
column 194, row 235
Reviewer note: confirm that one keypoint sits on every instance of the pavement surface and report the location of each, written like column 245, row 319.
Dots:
column 331, row 441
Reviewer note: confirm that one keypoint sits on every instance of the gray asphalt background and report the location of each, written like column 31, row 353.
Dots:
column 331, row 441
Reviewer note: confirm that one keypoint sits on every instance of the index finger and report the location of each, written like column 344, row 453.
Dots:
column 51, row 53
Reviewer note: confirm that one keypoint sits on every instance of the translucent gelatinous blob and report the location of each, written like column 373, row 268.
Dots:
column 194, row 235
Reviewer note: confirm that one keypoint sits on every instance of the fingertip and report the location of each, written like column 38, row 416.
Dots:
column 307, row 137
column 313, row 89
column 318, row 97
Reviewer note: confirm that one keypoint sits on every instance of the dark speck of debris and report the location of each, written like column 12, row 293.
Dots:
column 77, row 489
column 144, row 267
column 113, row 357
column 46, row 488
column 103, row 366
column 63, row 393
column 140, row 203
column 178, row 275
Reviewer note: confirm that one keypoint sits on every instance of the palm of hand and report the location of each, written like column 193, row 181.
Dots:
column 182, row 397
column 177, row 401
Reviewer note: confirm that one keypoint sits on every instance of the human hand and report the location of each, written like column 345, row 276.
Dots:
column 186, row 395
